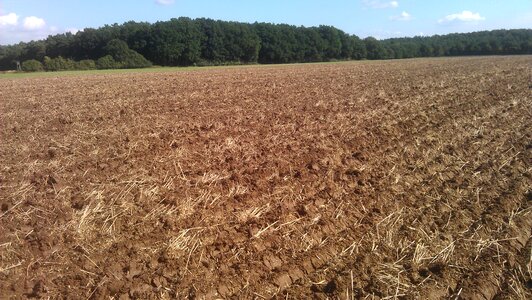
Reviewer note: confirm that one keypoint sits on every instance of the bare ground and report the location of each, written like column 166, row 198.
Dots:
column 399, row 179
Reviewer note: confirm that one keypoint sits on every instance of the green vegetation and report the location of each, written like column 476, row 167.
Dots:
column 86, row 64
column 121, row 57
column 204, row 42
column 496, row 42
column 107, row 62
column 67, row 64
column 59, row 64
column 154, row 69
column 32, row 65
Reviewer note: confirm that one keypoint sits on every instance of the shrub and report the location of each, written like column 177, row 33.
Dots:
column 32, row 65
column 107, row 62
column 126, row 57
column 58, row 64
column 86, row 64
column 136, row 60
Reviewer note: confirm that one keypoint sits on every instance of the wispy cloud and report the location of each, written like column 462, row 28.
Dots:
column 465, row 16
column 165, row 2
column 404, row 16
column 33, row 23
column 380, row 4
column 10, row 19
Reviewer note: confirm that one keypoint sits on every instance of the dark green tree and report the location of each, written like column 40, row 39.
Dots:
column 375, row 49
column 185, row 41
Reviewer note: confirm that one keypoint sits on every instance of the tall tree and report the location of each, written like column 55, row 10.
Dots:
column 185, row 41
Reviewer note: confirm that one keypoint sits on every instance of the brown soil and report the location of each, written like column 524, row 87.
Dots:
column 399, row 179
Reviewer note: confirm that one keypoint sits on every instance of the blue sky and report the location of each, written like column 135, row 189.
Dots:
column 24, row 20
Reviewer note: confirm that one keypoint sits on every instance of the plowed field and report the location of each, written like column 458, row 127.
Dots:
column 397, row 179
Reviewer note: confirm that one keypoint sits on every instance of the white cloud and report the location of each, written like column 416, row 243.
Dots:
column 165, row 2
column 33, row 23
column 29, row 28
column 15, row 34
column 380, row 4
column 465, row 16
column 10, row 19
column 404, row 16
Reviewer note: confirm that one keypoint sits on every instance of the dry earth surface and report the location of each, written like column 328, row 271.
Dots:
column 396, row 179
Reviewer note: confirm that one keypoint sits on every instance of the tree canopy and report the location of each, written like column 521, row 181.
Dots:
column 184, row 42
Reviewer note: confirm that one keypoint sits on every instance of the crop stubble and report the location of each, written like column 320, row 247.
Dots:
column 406, row 179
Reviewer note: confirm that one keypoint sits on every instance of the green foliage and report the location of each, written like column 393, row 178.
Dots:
column 118, row 49
column 176, row 42
column 136, row 60
column 86, row 64
column 359, row 49
column 333, row 43
column 184, row 42
column 107, row 62
column 34, row 50
column 66, row 64
column 59, row 64
column 125, row 57
column 32, row 65
column 375, row 49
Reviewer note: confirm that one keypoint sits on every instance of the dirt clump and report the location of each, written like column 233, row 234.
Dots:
column 405, row 179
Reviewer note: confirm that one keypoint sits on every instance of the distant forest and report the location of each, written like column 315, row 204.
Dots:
column 186, row 42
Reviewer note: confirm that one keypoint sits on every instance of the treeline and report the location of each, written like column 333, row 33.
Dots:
column 57, row 64
column 185, row 42
column 118, row 56
column 496, row 42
